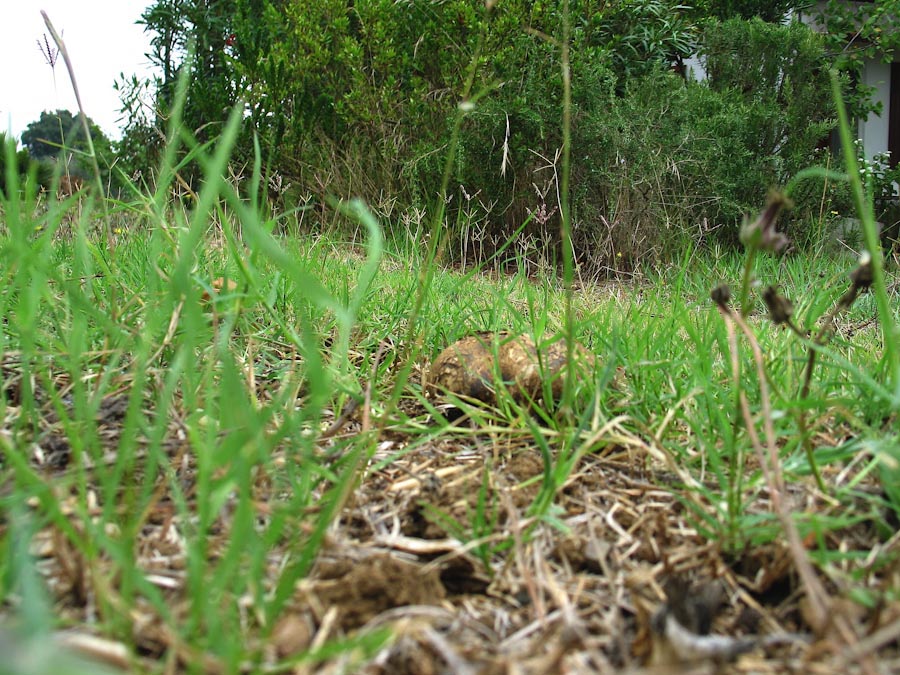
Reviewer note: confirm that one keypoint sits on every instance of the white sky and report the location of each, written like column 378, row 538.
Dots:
column 102, row 40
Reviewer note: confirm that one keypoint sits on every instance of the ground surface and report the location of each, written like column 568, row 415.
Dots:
column 578, row 595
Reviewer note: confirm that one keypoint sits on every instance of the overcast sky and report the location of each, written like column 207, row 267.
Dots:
column 103, row 41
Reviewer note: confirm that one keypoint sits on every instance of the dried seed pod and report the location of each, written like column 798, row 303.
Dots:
column 721, row 295
column 780, row 308
column 862, row 276
column 470, row 366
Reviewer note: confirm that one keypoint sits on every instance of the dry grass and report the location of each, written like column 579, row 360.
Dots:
column 437, row 562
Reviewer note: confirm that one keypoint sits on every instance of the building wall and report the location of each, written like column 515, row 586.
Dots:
column 874, row 131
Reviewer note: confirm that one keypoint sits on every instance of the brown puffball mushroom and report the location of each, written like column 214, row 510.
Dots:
column 467, row 368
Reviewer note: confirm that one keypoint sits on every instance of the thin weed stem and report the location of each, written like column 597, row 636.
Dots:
column 84, row 120
column 864, row 210
column 565, row 206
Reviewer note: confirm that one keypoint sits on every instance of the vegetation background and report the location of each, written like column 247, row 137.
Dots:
column 358, row 100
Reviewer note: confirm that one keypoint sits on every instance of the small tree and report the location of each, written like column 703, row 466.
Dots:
column 59, row 136
column 179, row 27
column 53, row 131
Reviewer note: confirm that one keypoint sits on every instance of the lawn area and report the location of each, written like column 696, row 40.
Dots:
column 219, row 453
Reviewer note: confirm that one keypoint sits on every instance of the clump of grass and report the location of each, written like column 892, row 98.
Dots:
column 150, row 391
column 762, row 236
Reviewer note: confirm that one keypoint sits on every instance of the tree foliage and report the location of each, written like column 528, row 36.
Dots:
column 855, row 32
column 57, row 131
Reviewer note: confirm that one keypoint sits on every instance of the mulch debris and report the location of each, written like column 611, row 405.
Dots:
column 619, row 580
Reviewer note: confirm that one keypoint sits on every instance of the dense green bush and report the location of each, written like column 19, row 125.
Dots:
column 358, row 99
column 339, row 92
column 657, row 158
column 781, row 71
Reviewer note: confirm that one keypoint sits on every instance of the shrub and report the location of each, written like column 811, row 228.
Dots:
column 655, row 159
column 358, row 99
column 781, row 71
column 337, row 89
